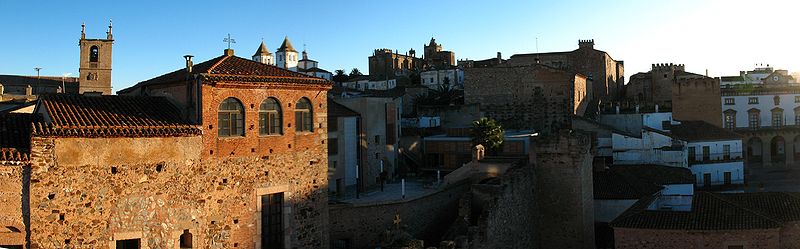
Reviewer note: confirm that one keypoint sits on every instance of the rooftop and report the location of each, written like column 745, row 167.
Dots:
column 72, row 115
column 234, row 70
column 692, row 131
column 717, row 211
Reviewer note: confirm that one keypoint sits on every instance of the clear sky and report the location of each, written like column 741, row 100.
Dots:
column 152, row 36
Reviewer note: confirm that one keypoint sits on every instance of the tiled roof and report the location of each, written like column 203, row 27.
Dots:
column 262, row 50
column 110, row 116
column 15, row 136
column 637, row 181
column 702, row 131
column 232, row 69
column 717, row 211
column 286, row 45
column 313, row 69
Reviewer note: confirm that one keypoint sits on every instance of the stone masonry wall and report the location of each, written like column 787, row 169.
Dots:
column 363, row 224
column 11, row 199
column 625, row 238
column 564, row 191
column 509, row 220
column 88, row 192
column 526, row 97
column 697, row 99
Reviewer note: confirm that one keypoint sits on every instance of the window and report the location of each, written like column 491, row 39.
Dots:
column 777, row 117
column 302, row 116
column 752, row 100
column 730, row 119
column 797, row 115
column 726, row 151
column 377, row 139
column 753, row 118
column 231, row 118
column 129, row 244
column 706, row 153
column 692, row 154
column 333, row 146
column 777, row 100
column 186, row 239
column 730, row 101
column 270, row 120
column 797, row 99
column 94, row 54
column 272, row 221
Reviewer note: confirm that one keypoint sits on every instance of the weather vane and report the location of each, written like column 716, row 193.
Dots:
column 229, row 40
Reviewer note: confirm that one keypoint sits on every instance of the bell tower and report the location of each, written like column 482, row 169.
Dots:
column 95, row 66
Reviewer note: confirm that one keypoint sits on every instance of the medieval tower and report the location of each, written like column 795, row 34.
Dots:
column 95, row 66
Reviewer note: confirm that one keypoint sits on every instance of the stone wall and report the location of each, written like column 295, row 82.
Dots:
column 510, row 218
column 564, row 191
column 362, row 225
column 88, row 192
column 697, row 99
column 11, row 203
column 527, row 97
column 668, row 239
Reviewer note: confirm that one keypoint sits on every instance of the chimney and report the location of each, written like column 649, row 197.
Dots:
column 189, row 63
column 477, row 153
column 637, row 108
column 656, row 108
column 229, row 52
column 499, row 57
column 2, row 89
column 29, row 90
column 617, row 109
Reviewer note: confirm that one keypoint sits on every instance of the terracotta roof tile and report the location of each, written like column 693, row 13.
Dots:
column 229, row 68
column 110, row 116
column 717, row 211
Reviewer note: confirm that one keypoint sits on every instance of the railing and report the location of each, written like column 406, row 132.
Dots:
column 716, row 158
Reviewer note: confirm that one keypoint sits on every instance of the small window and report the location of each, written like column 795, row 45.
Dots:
column 729, row 101
column 94, row 54
column 726, row 151
column 270, row 120
column 752, row 100
column 333, row 146
column 231, row 118
column 302, row 114
column 129, row 244
column 186, row 239
column 377, row 139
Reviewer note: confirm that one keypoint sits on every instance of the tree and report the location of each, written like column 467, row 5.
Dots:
column 489, row 133
column 355, row 72
column 340, row 76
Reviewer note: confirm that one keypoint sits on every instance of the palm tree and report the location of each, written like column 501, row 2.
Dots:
column 489, row 133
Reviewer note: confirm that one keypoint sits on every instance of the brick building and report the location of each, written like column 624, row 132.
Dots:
column 228, row 153
column 606, row 74
column 711, row 220
column 690, row 96
column 534, row 96
column 436, row 57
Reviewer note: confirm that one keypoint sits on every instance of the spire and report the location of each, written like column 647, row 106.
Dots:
column 109, row 36
column 305, row 55
column 286, row 46
column 83, row 30
column 262, row 50
column 433, row 41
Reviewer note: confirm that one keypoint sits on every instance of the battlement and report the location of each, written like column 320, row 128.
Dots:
column 586, row 43
column 666, row 67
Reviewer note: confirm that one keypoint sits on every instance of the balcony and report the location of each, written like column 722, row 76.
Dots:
column 716, row 158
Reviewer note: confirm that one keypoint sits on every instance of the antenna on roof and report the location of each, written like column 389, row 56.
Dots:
column 537, row 44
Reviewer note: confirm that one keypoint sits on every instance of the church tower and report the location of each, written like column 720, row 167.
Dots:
column 286, row 55
column 263, row 55
column 95, row 66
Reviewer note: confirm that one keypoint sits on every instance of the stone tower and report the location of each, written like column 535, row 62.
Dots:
column 286, row 55
column 263, row 55
column 95, row 66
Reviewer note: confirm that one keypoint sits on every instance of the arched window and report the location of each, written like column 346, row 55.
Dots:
column 269, row 117
column 94, row 53
column 302, row 116
column 186, row 239
column 231, row 118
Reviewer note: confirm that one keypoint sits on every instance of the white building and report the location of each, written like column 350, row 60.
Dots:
column 714, row 155
column 435, row 78
column 263, row 55
column 363, row 83
column 286, row 56
column 311, row 67
column 764, row 107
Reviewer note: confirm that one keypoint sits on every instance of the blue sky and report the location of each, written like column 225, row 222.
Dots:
column 152, row 36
